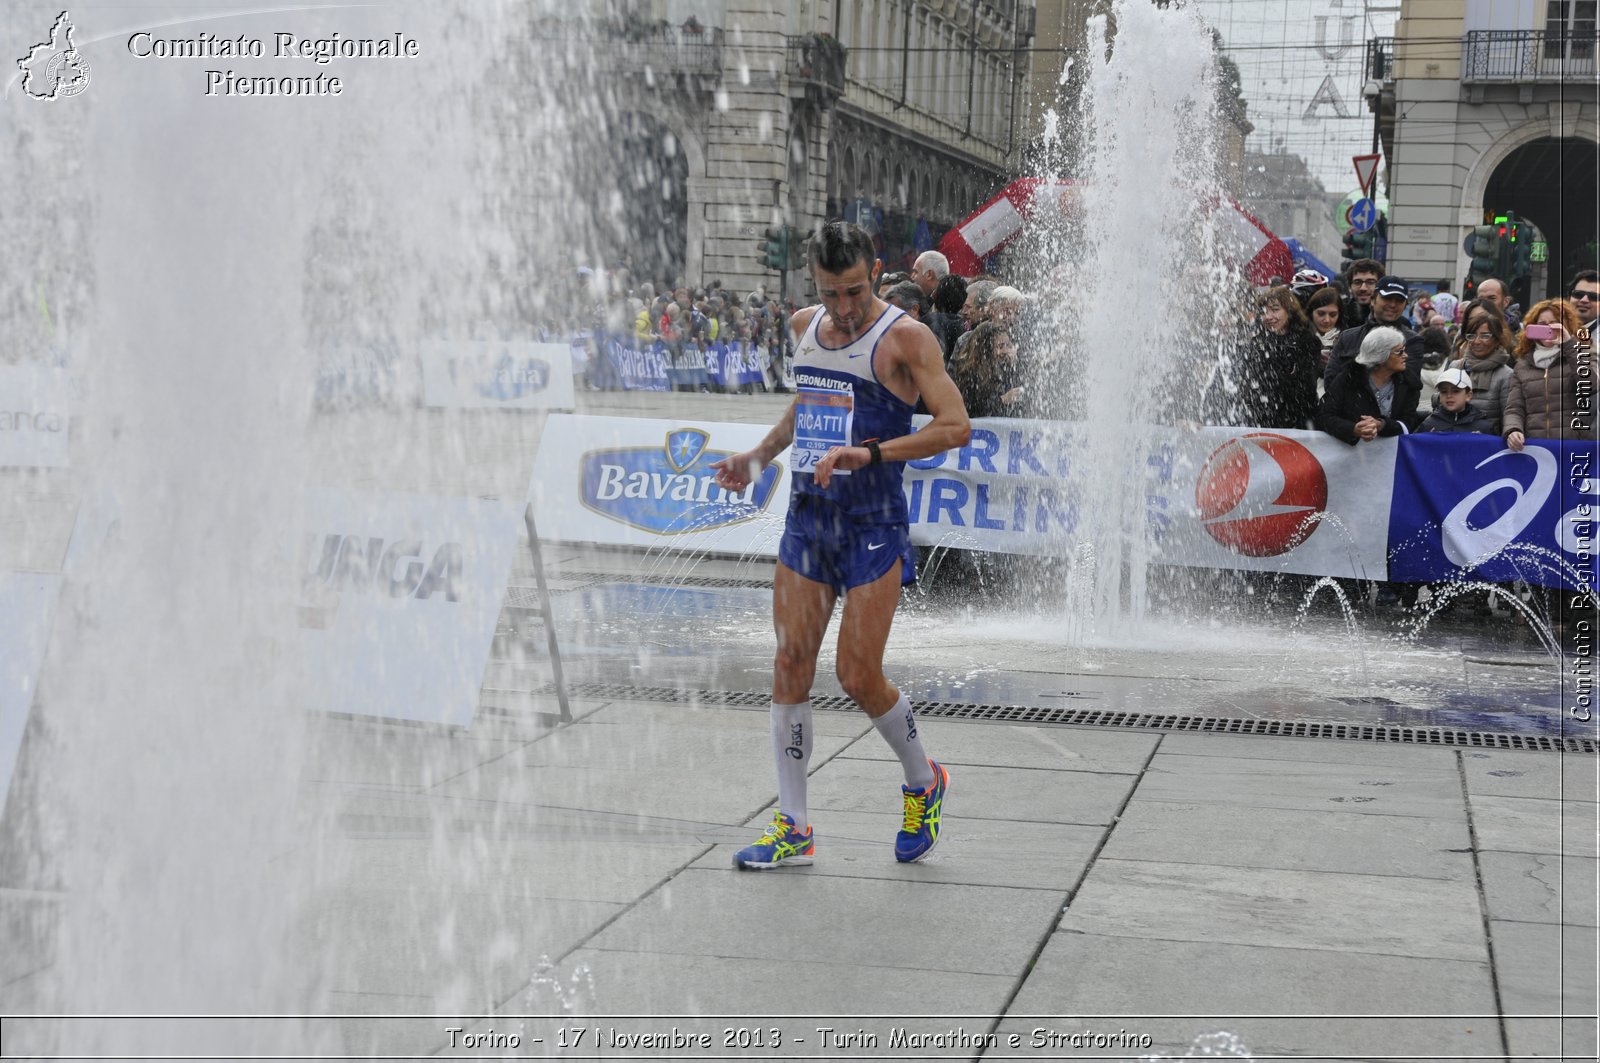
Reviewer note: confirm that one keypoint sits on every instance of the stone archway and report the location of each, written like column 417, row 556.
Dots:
column 1545, row 171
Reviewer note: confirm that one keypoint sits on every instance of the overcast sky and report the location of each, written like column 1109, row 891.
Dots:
column 1284, row 63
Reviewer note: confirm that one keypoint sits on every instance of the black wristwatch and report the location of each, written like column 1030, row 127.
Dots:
column 872, row 448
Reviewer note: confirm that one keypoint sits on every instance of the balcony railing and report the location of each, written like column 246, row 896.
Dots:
column 1527, row 55
column 662, row 50
column 817, row 62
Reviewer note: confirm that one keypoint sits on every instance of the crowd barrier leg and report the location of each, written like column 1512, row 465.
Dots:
column 547, row 614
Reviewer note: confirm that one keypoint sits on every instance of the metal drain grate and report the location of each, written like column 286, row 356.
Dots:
column 1347, row 732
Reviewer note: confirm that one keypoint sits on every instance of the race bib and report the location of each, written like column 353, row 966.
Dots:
column 822, row 421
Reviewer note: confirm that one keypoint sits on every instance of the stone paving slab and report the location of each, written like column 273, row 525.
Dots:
column 1547, row 970
column 1535, row 825
column 1015, row 745
column 1539, row 888
column 470, row 950
column 1046, row 856
column 1291, row 839
column 1392, row 790
column 1017, row 794
column 737, row 987
column 1522, row 773
column 1096, row 977
column 982, row 929
column 372, row 752
column 1377, row 914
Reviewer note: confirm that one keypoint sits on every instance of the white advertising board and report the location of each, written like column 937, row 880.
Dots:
column 473, row 374
column 27, row 601
column 33, row 416
column 1216, row 498
column 399, row 598
column 643, row 482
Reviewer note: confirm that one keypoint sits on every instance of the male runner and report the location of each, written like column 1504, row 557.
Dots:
column 859, row 366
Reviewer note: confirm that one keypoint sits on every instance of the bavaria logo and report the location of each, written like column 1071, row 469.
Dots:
column 1257, row 493
column 513, row 378
column 672, row 488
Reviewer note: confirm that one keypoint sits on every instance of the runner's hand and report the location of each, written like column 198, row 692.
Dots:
column 735, row 472
column 845, row 458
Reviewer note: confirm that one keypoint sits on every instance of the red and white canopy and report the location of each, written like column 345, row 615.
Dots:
column 1030, row 199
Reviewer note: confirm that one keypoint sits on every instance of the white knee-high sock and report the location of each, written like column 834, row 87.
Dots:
column 791, row 749
column 898, row 727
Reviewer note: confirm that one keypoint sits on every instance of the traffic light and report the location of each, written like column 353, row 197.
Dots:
column 774, row 248
column 797, row 247
column 1483, row 244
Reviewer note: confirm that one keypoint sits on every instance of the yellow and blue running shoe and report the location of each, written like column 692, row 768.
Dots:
column 782, row 844
column 920, row 833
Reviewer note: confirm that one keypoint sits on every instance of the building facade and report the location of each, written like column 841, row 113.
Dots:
column 1487, row 107
column 716, row 119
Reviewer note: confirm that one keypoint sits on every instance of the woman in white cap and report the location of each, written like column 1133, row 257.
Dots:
column 1373, row 396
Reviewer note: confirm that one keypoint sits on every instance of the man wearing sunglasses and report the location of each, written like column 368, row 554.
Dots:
column 1585, row 295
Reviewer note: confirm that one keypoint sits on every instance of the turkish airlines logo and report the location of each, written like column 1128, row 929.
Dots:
column 1257, row 494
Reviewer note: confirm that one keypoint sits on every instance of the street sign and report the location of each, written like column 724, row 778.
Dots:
column 1366, row 170
column 1363, row 215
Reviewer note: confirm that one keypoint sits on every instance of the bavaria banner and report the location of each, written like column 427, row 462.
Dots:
column 1216, row 498
column 27, row 600
column 399, row 598
column 1468, row 506
column 636, row 482
column 470, row 374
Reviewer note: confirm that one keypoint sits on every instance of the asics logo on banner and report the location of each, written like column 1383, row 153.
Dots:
column 797, row 738
column 670, row 489
column 1469, row 547
column 1258, row 493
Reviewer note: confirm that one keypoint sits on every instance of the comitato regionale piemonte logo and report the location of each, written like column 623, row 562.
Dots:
column 54, row 68
column 1258, row 492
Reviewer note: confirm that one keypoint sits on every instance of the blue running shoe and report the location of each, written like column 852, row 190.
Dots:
column 782, row 844
column 923, row 807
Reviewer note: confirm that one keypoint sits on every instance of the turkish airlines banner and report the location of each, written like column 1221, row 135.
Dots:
column 1469, row 507
column 1215, row 498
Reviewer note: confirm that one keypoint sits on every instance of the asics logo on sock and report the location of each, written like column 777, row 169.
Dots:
column 797, row 735
column 911, row 725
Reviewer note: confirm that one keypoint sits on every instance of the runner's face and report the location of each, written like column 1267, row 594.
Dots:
column 847, row 296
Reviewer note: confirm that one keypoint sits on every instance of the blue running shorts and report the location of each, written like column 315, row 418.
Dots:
column 822, row 543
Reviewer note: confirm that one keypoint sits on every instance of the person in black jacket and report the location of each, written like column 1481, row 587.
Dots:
column 1455, row 412
column 1374, row 396
column 1271, row 381
column 949, row 295
column 1388, row 309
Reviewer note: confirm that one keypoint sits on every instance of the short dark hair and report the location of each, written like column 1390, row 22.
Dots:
column 950, row 294
column 1365, row 265
column 907, row 294
column 1589, row 275
column 838, row 246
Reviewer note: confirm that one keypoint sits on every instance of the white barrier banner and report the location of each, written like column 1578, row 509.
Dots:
column 400, row 596
column 1216, row 498
column 469, row 374
column 33, row 416
column 639, row 482
column 27, row 601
